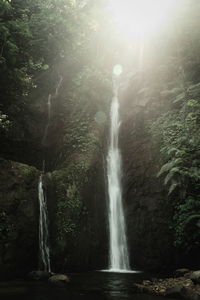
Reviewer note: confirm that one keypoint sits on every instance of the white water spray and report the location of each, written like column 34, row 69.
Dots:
column 44, row 258
column 119, row 258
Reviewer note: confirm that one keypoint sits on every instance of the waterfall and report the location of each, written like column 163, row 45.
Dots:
column 49, row 108
column 58, row 85
column 49, row 100
column 44, row 258
column 45, row 135
column 119, row 259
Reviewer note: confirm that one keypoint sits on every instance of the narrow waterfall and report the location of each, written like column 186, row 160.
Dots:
column 44, row 258
column 44, row 139
column 119, row 258
column 44, row 253
column 49, row 107
column 58, row 86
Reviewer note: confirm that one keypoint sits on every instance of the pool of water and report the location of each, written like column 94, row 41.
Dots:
column 85, row 286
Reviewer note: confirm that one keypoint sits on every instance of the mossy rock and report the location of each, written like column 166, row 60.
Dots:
column 18, row 217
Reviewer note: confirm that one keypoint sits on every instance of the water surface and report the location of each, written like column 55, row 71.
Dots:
column 87, row 286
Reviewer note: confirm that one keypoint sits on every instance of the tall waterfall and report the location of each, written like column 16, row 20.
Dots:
column 119, row 258
column 44, row 258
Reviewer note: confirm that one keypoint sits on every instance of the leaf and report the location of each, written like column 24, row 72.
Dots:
column 194, row 90
column 192, row 103
column 172, row 151
column 191, row 218
column 179, row 98
column 166, row 167
column 173, row 187
column 170, row 175
column 194, row 172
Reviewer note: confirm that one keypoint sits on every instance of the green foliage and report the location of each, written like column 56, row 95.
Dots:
column 6, row 228
column 77, row 135
column 4, row 122
column 69, row 183
column 178, row 132
column 41, row 41
column 187, row 221
column 176, row 127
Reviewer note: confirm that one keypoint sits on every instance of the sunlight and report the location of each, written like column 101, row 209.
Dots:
column 117, row 70
column 135, row 18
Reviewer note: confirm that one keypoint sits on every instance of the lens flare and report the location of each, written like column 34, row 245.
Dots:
column 117, row 70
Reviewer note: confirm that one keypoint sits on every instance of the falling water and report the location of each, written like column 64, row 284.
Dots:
column 119, row 259
column 44, row 258
column 46, row 130
column 58, row 85
column 44, row 139
column 49, row 107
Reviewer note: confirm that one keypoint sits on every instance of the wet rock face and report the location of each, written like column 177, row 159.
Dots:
column 18, row 218
column 78, row 218
column 148, row 216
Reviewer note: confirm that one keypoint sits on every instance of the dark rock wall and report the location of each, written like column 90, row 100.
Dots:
column 78, row 212
column 147, row 212
column 77, row 219
column 18, row 218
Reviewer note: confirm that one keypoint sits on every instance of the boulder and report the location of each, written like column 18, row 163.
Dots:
column 59, row 280
column 194, row 276
column 141, row 288
column 18, row 219
column 174, row 291
column 181, row 272
column 190, row 294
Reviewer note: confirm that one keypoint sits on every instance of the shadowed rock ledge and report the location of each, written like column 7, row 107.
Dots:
column 186, row 287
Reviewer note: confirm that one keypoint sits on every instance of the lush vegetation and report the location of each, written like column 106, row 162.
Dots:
column 41, row 41
column 44, row 40
column 177, row 131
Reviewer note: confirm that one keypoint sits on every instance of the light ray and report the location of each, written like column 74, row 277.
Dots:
column 136, row 18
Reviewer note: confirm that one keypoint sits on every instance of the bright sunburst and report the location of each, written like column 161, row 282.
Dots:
column 142, row 17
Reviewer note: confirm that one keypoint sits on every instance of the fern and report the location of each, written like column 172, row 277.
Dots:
column 192, row 218
column 173, row 187
column 165, row 168
column 171, row 174
column 179, row 98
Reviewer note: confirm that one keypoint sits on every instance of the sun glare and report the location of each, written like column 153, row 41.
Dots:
column 135, row 18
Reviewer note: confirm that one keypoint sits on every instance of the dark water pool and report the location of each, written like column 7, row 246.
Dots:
column 87, row 286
